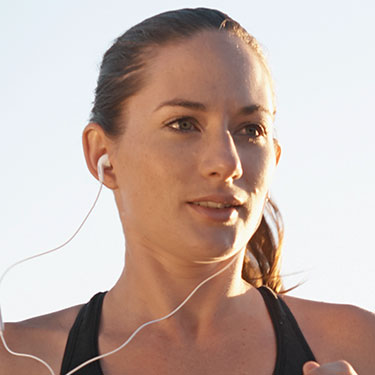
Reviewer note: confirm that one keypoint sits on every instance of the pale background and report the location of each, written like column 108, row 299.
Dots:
column 323, row 60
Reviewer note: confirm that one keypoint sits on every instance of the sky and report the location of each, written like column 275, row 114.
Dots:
column 322, row 58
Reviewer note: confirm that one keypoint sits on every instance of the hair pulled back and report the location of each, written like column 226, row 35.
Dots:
column 122, row 76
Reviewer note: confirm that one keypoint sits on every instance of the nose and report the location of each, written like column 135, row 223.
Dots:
column 220, row 158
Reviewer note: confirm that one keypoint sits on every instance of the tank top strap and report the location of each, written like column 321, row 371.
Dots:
column 292, row 348
column 82, row 343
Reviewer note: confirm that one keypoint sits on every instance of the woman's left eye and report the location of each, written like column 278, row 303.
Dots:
column 184, row 124
column 252, row 130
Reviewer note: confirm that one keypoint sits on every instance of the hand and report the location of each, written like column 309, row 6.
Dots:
column 333, row 368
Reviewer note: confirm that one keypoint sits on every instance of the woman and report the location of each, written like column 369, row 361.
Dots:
column 184, row 110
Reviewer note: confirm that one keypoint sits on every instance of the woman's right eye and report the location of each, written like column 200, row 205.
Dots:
column 184, row 124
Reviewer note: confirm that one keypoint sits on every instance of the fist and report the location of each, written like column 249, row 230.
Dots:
column 333, row 368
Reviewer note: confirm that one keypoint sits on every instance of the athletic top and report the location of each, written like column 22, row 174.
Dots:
column 292, row 348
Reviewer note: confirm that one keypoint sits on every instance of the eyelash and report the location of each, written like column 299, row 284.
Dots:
column 259, row 128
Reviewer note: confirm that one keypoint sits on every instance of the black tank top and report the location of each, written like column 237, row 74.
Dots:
column 292, row 348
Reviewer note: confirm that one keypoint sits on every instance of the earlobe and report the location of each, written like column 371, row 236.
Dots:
column 95, row 145
column 277, row 150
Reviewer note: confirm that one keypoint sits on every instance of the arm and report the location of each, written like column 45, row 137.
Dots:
column 356, row 338
column 44, row 337
column 339, row 335
column 11, row 364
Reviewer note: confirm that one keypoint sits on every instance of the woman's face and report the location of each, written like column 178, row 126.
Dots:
column 198, row 134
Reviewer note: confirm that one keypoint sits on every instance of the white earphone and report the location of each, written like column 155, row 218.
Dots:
column 103, row 162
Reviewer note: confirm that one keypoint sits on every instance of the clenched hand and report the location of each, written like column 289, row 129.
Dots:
column 333, row 368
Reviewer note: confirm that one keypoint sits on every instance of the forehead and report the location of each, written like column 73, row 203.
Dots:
column 212, row 67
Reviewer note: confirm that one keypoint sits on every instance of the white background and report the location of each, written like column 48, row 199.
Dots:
column 322, row 57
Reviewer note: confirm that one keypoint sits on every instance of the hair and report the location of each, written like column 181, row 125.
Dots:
column 122, row 76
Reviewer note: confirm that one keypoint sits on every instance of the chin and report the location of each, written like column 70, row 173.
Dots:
column 220, row 245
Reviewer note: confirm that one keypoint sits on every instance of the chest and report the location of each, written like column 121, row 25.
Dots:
column 249, row 354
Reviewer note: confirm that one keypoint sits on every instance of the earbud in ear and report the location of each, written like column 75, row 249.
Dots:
column 103, row 162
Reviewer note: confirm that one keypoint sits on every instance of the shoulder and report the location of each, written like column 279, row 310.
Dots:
column 336, row 331
column 44, row 336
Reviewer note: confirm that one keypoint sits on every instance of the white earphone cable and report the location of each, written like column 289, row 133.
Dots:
column 56, row 248
column 131, row 336
column 33, row 257
column 25, row 355
column 152, row 321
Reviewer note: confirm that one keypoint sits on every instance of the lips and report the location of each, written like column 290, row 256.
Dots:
column 216, row 208
column 223, row 200
column 212, row 204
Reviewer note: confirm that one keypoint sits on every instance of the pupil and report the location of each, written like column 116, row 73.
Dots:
column 185, row 124
column 252, row 131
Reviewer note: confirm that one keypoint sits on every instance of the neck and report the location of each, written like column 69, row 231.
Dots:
column 150, row 288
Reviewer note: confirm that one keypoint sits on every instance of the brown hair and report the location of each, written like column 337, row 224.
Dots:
column 121, row 77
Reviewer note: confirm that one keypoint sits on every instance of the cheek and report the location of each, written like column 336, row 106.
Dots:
column 258, row 166
column 174, row 162
column 150, row 175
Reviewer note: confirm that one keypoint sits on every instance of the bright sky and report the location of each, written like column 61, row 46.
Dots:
column 322, row 57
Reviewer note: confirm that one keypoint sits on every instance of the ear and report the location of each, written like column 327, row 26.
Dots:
column 277, row 147
column 95, row 144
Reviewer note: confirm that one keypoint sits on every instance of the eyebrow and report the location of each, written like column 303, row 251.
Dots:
column 182, row 103
column 247, row 110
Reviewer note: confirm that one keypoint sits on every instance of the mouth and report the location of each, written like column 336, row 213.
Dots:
column 213, row 204
column 218, row 212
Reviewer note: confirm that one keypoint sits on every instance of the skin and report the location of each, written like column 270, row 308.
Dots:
column 159, row 165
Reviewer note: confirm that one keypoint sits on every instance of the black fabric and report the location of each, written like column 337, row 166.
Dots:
column 292, row 348
column 82, row 342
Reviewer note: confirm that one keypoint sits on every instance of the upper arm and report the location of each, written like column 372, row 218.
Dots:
column 11, row 364
column 356, row 338
column 337, row 332
column 44, row 337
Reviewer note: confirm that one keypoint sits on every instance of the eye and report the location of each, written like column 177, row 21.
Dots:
column 252, row 130
column 184, row 124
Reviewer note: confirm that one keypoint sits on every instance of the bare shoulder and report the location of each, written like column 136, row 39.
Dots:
column 43, row 336
column 337, row 331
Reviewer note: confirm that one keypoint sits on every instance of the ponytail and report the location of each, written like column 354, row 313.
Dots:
column 261, row 264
